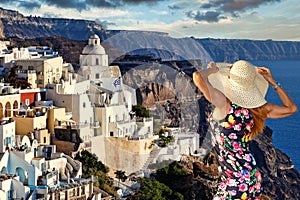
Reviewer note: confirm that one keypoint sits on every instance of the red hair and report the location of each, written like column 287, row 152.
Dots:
column 259, row 115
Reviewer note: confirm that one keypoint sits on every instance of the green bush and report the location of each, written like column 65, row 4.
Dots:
column 155, row 190
column 140, row 111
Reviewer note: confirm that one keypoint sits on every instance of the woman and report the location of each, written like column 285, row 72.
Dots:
column 238, row 93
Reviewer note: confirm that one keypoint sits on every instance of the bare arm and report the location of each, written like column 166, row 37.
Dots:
column 213, row 95
column 278, row 111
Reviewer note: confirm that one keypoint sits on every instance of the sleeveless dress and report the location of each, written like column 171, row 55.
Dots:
column 240, row 178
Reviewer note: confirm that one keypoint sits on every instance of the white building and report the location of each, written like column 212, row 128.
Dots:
column 7, row 56
column 94, row 60
column 112, row 99
column 120, row 142
column 7, row 134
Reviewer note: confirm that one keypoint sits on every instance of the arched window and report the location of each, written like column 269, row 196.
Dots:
column 97, row 61
column 15, row 107
column 7, row 109
column 1, row 111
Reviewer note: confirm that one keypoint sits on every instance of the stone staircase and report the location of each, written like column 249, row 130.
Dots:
column 153, row 155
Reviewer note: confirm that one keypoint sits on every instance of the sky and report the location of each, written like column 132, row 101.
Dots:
column 226, row 19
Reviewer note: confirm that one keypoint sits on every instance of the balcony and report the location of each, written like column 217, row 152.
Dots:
column 96, row 124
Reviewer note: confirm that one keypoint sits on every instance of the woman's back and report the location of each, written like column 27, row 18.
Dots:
column 240, row 176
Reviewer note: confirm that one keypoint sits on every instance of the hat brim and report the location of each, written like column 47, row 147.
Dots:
column 250, row 97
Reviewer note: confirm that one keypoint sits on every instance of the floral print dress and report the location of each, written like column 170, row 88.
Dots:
column 240, row 177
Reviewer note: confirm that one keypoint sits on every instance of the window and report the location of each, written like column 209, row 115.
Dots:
column 97, row 76
column 111, row 134
column 109, row 119
column 27, row 102
column 97, row 61
column 45, row 139
column 83, row 105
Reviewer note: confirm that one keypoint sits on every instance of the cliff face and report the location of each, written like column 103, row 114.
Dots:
column 18, row 25
column 185, row 109
column 231, row 50
column 280, row 179
column 67, row 48
column 162, row 86
column 157, row 44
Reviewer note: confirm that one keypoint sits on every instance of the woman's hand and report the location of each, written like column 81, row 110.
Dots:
column 213, row 67
column 266, row 73
column 274, row 110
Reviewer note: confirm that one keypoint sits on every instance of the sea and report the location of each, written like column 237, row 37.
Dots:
column 286, row 131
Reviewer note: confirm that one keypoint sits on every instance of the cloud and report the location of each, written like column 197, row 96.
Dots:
column 105, row 23
column 174, row 7
column 51, row 15
column 29, row 5
column 77, row 4
column 214, row 10
column 209, row 16
column 241, row 5
column 141, row 1
column 86, row 4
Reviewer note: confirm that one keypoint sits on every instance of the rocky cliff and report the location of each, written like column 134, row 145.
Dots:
column 231, row 50
column 281, row 181
column 157, row 44
column 167, row 89
column 17, row 25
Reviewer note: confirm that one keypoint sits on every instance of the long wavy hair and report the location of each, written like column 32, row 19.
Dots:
column 259, row 115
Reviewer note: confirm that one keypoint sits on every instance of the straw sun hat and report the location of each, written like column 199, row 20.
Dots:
column 240, row 83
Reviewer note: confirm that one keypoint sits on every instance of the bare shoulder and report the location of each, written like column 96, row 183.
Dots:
column 222, row 111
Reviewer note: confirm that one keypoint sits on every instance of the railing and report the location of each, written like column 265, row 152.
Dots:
column 29, row 71
column 125, row 121
column 95, row 124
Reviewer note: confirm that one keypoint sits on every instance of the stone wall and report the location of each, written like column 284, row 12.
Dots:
column 121, row 154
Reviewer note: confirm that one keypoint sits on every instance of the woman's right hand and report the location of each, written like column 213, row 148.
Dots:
column 213, row 67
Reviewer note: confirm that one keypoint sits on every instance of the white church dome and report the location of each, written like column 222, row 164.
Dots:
column 94, row 47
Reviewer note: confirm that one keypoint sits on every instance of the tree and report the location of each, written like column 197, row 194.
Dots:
column 17, row 82
column 120, row 175
column 91, row 166
column 154, row 190
column 174, row 176
column 140, row 111
column 163, row 141
column 90, row 163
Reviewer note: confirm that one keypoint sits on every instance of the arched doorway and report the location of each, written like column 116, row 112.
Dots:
column 22, row 174
column 3, row 170
column 7, row 109
column 1, row 111
column 15, row 107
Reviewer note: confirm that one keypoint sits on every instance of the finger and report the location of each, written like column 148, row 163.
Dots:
column 264, row 68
